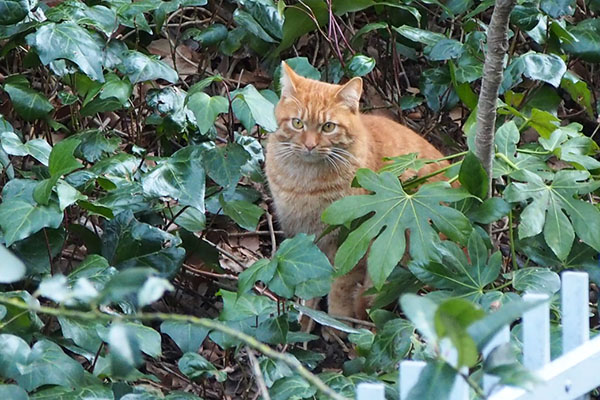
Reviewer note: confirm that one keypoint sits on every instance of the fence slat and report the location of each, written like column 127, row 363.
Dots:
column 409, row 376
column 503, row 336
column 575, row 311
column 370, row 391
column 536, row 333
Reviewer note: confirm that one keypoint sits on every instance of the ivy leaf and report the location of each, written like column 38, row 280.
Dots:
column 224, row 163
column 273, row 370
column 395, row 212
column 141, row 68
column 28, row 103
column 293, row 387
column 391, row 345
column 273, row 330
column 325, row 319
column 13, row 392
column 21, row 216
column 128, row 243
column 47, row 364
column 302, row 269
column 436, row 371
column 244, row 19
column 206, row 109
column 244, row 213
column 194, row 366
column 360, row 65
column 12, row 268
column 125, row 353
column 548, row 68
column 453, row 270
column 13, row 11
column 95, row 144
column 37, row 148
column 558, row 8
column 82, row 391
column 111, row 95
column 536, row 280
column 152, row 290
column 83, row 333
column 550, row 204
column 180, row 177
column 187, row 336
column 587, row 46
column 69, row 41
column 252, row 107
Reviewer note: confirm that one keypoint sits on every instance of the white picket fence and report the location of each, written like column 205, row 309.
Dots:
column 571, row 376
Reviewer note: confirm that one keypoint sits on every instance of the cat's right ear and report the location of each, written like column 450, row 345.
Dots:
column 288, row 79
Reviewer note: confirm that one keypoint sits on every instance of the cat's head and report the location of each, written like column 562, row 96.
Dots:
column 317, row 120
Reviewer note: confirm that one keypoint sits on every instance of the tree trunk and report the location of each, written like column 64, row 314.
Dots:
column 497, row 47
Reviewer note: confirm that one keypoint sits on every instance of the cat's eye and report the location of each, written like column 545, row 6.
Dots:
column 328, row 127
column 297, row 123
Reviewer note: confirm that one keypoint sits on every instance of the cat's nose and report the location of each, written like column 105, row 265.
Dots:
column 310, row 146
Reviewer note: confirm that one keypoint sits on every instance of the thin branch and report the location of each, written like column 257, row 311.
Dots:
column 95, row 315
column 260, row 381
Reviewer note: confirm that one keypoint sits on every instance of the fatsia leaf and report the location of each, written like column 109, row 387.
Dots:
column 454, row 272
column 180, row 177
column 554, row 210
column 395, row 213
column 69, row 41
column 141, row 68
column 536, row 280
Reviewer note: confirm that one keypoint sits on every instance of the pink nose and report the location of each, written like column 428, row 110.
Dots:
column 309, row 147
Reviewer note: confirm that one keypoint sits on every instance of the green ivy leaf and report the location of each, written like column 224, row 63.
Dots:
column 13, row 11
column 69, row 41
column 11, row 269
column 180, row 177
column 273, row 370
column 293, row 387
column 325, row 319
column 139, row 67
column 578, row 90
column 224, row 163
column 435, row 371
column 209, row 36
column 128, row 243
column 194, row 366
column 503, row 363
column 187, row 336
column 548, row 68
column 13, row 392
column 85, row 391
column 360, row 65
column 587, row 46
column 206, row 109
column 395, row 212
column 548, row 204
column 125, row 353
column 37, row 148
column 558, row 8
column 273, row 330
column 244, row 213
column 28, row 103
column 47, row 364
column 473, row 177
column 536, row 280
column 111, row 95
column 21, row 216
column 252, row 108
column 101, row 17
column 390, row 346
column 83, row 333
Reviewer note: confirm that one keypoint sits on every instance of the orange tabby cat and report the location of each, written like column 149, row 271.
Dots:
column 312, row 158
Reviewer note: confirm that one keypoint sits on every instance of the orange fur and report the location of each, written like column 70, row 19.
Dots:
column 308, row 168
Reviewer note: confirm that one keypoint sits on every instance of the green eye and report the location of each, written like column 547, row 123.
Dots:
column 298, row 124
column 328, row 127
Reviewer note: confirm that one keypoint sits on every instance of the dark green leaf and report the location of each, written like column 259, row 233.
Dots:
column 248, row 102
column 28, row 103
column 273, row 330
column 244, row 213
column 83, row 333
column 444, row 49
column 325, row 319
column 536, row 280
column 391, row 345
column 13, row 11
column 473, row 177
column 297, row 21
column 273, row 370
column 69, row 41
column 139, row 67
column 548, row 68
column 395, row 212
column 223, row 164
column 360, row 65
column 37, row 148
column 489, row 211
column 436, row 371
column 187, row 336
column 13, row 392
column 195, row 366
column 293, row 387
column 180, row 177
column 558, row 8
column 209, row 36
column 244, row 19
column 502, row 362
column 206, row 109
column 125, row 353
column 421, row 312
column 587, row 46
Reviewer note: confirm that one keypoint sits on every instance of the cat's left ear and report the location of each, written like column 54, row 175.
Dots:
column 350, row 93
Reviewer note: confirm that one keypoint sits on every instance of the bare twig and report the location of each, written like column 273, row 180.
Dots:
column 260, row 381
column 272, row 233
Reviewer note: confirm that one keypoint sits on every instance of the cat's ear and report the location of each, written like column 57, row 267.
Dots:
column 350, row 93
column 288, row 80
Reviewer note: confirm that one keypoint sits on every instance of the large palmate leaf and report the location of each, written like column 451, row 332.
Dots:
column 454, row 271
column 395, row 213
column 553, row 209
column 69, row 41
column 298, row 268
column 141, row 68
column 21, row 216
column 506, row 139
column 180, row 177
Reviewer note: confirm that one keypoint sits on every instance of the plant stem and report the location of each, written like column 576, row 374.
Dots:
column 95, row 315
column 450, row 157
column 423, row 178
column 508, row 161
column 539, row 153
